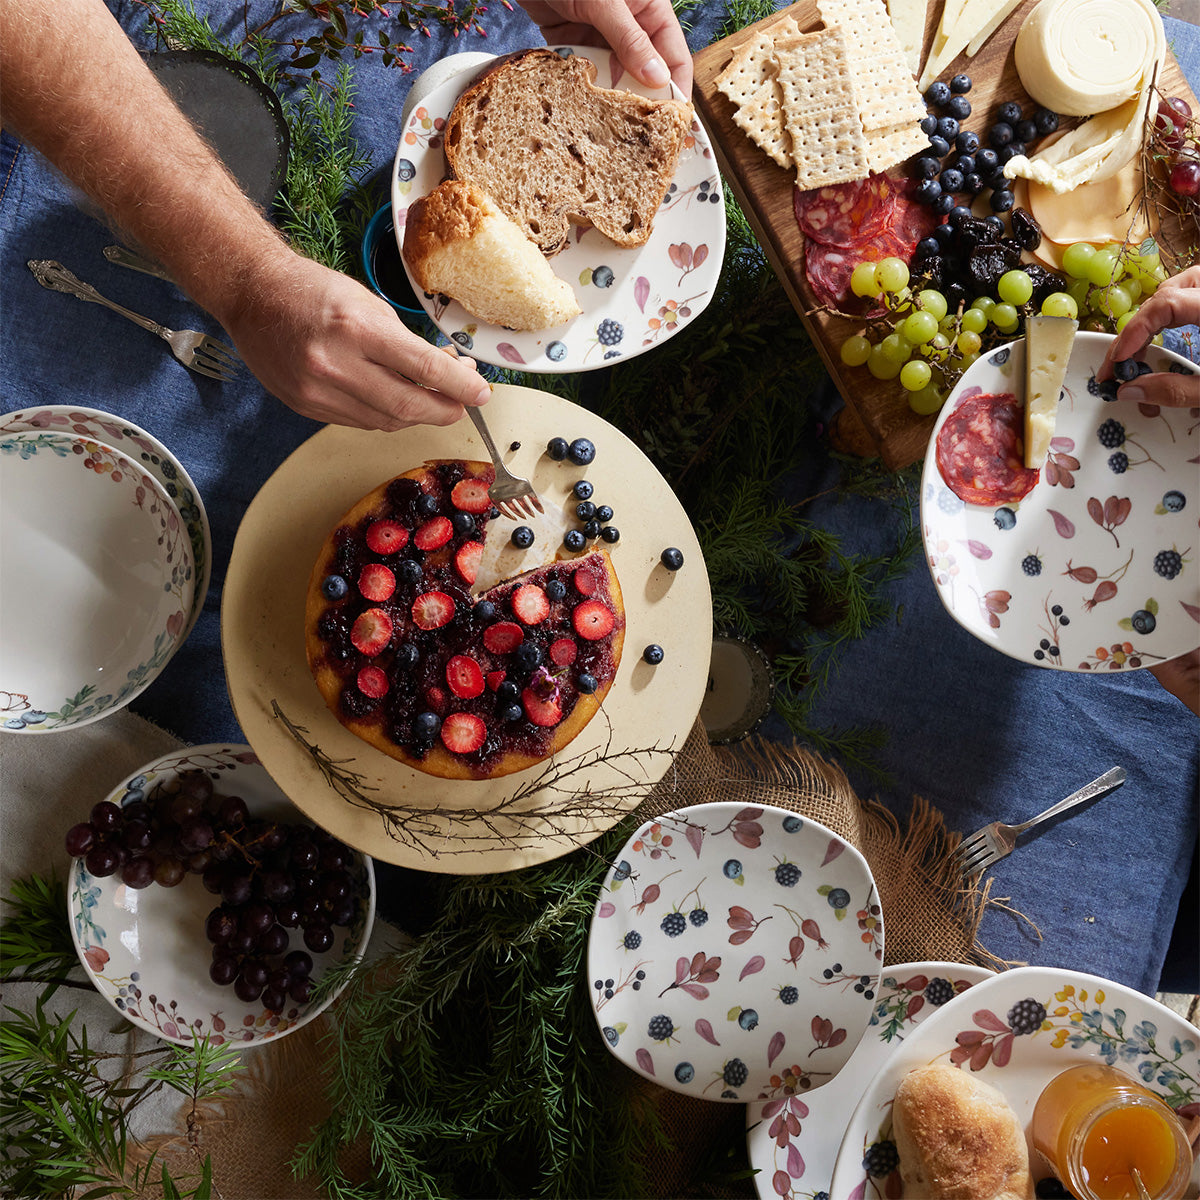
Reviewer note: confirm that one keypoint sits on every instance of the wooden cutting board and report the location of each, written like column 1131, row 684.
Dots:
column 764, row 190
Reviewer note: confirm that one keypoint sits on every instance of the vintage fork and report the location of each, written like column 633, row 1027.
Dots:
column 197, row 351
column 995, row 841
column 514, row 497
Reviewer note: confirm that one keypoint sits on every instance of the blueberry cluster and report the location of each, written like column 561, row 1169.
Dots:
column 957, row 162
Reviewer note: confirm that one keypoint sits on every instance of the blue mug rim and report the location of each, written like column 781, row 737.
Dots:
column 382, row 220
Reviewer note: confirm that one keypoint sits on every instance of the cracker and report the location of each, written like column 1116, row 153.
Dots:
column 884, row 89
column 750, row 82
column 888, row 147
column 819, row 110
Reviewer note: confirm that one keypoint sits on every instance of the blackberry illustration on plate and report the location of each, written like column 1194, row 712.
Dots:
column 938, row 991
column 788, row 995
column 1026, row 1016
column 1168, row 563
column 736, row 1072
column 698, row 917
column 660, row 1028
column 1031, row 565
column 673, row 924
column 881, row 1159
column 787, row 874
column 632, row 940
column 1111, row 434
column 609, row 332
column 1118, row 463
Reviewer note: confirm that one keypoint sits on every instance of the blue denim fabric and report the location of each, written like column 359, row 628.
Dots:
column 979, row 735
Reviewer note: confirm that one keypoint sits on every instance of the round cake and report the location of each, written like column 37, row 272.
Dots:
column 453, row 684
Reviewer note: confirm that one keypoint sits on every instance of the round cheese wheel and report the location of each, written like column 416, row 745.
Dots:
column 1079, row 57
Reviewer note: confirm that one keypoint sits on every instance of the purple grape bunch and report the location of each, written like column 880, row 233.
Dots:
column 271, row 878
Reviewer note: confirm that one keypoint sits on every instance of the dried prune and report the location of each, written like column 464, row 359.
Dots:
column 1026, row 230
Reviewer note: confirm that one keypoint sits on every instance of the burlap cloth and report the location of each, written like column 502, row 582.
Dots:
column 253, row 1133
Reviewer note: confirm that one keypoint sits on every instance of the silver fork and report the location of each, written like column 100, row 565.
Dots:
column 996, row 841
column 513, row 496
column 194, row 349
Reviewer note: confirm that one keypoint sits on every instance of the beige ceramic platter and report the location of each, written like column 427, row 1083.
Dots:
column 406, row 817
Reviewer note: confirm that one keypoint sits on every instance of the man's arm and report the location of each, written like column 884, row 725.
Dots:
column 74, row 86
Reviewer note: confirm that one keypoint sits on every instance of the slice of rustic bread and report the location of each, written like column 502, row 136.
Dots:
column 456, row 241
column 551, row 148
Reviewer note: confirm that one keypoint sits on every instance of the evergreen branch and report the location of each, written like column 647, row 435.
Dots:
column 35, row 938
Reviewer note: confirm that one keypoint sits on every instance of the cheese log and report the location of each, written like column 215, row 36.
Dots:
column 1048, row 342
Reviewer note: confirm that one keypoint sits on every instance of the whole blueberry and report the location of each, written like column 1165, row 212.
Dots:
column 1125, row 370
column 928, row 124
column 967, row 142
column 604, row 513
column 409, row 570
column 507, row 692
column 334, row 587
column 959, row 107
column 427, row 505
column 928, row 167
column 610, row 534
column 1045, row 121
column 1000, row 134
column 591, row 530
column 574, row 540
column 973, row 183
column 951, row 180
column 407, row 655
column 555, row 589
column 586, row 683
column 581, row 452
column 937, row 93
column 1025, row 131
column 1010, row 112
column 585, row 510
column 485, row 610
column 583, row 490
column 986, row 159
column 557, row 448
column 653, row 654
column 427, row 723
column 928, row 190
column 1001, row 201
column 463, row 522
column 947, row 127
column 960, row 84
column 522, row 537
column 927, row 248
column 943, row 204
column 939, row 146
column 671, row 558
column 511, row 712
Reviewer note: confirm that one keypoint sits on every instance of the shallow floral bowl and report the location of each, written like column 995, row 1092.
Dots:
column 729, row 942
column 146, row 950
column 97, row 580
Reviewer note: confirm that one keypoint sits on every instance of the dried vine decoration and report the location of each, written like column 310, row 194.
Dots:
column 566, row 800
column 1173, row 218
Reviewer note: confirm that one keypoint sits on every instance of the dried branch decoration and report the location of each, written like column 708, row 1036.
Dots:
column 1171, row 144
column 565, row 802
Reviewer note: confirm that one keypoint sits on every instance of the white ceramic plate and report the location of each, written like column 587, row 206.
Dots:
column 146, row 951
column 1017, row 1031
column 151, row 456
column 97, row 581
column 632, row 299
column 1098, row 567
column 729, row 942
column 793, row 1137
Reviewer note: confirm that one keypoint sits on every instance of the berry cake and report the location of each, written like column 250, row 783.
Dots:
column 456, row 685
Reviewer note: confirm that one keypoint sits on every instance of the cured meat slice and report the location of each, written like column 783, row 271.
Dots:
column 828, row 269
column 845, row 214
column 980, row 453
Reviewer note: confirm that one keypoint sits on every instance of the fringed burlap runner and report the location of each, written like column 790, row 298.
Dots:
column 252, row 1133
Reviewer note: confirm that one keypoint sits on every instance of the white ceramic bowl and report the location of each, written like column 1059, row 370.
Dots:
column 146, row 951
column 96, row 585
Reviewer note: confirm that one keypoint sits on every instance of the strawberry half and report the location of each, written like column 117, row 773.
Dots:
column 436, row 532
column 373, row 682
column 376, row 582
column 495, row 679
column 530, row 603
column 387, row 537
column 467, row 559
column 463, row 733
column 471, row 495
column 503, row 637
column 562, row 652
column 371, row 631
column 432, row 610
column 464, row 676
column 585, row 581
column 593, row 620
column 542, row 710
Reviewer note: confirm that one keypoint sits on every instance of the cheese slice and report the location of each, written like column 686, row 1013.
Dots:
column 1002, row 14
column 908, row 20
column 1105, row 210
column 1048, row 342
column 953, row 36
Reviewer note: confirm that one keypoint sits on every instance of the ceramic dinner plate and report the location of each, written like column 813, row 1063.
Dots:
column 96, row 585
column 146, row 951
column 1098, row 567
column 402, row 815
column 728, row 943
column 1017, row 1031
column 150, row 455
column 633, row 299
column 793, row 1137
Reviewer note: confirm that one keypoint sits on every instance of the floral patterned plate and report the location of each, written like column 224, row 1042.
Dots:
column 632, row 299
column 1098, row 567
column 146, row 951
column 793, row 1138
column 729, row 942
column 150, row 455
column 1018, row 1030
column 97, row 580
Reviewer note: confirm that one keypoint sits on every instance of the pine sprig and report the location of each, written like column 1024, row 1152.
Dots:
column 35, row 940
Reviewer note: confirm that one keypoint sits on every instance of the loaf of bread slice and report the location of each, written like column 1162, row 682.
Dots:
column 457, row 242
column 551, row 148
column 958, row 1138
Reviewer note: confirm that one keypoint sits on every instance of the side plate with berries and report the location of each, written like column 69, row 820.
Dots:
column 632, row 299
column 793, row 1144
column 730, row 942
column 1016, row 1031
column 1097, row 567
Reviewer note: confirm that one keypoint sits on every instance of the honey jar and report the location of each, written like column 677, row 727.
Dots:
column 1095, row 1126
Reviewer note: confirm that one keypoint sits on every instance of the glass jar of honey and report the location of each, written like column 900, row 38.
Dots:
column 1095, row 1126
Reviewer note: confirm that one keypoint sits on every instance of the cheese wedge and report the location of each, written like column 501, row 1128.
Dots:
column 908, row 20
column 966, row 20
column 1048, row 342
column 1001, row 15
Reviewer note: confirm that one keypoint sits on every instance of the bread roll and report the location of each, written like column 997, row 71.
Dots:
column 958, row 1139
column 456, row 241
column 552, row 148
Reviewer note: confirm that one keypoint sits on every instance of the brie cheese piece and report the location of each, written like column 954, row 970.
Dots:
column 1048, row 342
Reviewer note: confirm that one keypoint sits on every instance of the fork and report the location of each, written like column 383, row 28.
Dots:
column 993, row 842
column 513, row 496
column 197, row 351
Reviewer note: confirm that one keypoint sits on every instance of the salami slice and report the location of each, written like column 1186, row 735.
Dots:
column 845, row 214
column 980, row 452
column 828, row 269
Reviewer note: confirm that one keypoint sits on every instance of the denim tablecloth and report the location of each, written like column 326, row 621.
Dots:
column 978, row 734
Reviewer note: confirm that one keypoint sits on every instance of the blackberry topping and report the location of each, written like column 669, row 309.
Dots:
column 1026, row 1016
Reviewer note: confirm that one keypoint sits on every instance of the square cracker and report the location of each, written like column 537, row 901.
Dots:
column 819, row 109
column 889, row 147
column 750, row 82
column 884, row 88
